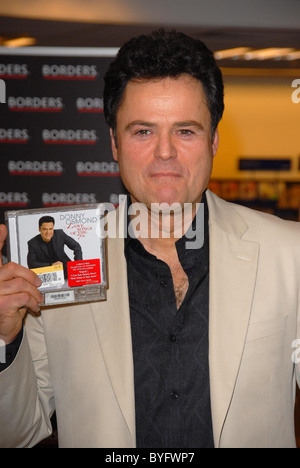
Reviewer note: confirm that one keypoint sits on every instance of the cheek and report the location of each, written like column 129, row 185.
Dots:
column 200, row 171
column 198, row 162
column 130, row 170
column 128, row 166
column 131, row 159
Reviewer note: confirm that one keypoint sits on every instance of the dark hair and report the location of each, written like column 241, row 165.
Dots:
column 163, row 54
column 46, row 219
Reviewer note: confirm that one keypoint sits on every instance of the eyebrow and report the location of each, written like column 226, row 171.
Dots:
column 185, row 123
column 140, row 123
column 189, row 123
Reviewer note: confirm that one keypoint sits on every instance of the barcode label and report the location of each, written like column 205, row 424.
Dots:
column 59, row 297
column 54, row 278
column 50, row 276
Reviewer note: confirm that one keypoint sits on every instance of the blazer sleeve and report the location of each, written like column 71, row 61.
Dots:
column 33, row 258
column 298, row 344
column 73, row 245
column 26, row 393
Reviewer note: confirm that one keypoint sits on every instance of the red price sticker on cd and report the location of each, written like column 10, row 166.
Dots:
column 84, row 272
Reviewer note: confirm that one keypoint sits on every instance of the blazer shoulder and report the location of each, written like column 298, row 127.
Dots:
column 252, row 224
column 34, row 240
column 265, row 224
column 59, row 233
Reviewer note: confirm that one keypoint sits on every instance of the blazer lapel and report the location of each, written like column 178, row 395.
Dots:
column 233, row 267
column 112, row 321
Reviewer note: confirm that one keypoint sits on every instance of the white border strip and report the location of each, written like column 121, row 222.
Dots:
column 61, row 51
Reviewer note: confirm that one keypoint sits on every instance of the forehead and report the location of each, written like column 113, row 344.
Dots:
column 181, row 90
column 47, row 225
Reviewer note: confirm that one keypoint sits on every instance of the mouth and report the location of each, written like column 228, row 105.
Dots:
column 164, row 174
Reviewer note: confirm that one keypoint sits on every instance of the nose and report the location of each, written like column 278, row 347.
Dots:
column 165, row 148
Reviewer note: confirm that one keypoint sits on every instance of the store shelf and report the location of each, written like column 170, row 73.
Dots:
column 278, row 197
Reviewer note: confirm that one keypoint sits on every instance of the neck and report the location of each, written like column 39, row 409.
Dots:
column 159, row 227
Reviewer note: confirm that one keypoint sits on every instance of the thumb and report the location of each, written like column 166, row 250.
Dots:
column 3, row 235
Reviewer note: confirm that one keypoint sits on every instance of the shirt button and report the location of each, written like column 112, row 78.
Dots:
column 163, row 284
column 172, row 338
column 174, row 395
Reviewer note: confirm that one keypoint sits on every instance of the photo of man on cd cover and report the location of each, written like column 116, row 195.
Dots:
column 47, row 248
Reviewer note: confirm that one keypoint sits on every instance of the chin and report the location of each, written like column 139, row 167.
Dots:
column 166, row 195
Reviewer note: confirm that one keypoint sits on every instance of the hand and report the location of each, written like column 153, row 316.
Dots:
column 18, row 293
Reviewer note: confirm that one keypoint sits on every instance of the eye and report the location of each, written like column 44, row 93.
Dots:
column 143, row 132
column 185, row 132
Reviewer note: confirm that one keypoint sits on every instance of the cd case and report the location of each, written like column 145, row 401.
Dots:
column 65, row 247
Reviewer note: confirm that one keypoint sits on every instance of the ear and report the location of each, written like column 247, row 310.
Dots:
column 215, row 142
column 113, row 145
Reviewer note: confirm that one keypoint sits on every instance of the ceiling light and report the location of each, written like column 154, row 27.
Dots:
column 231, row 53
column 293, row 55
column 19, row 42
column 247, row 53
column 267, row 54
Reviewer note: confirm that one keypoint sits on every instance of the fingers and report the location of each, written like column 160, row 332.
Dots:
column 18, row 288
column 19, row 302
column 13, row 270
column 20, row 293
column 3, row 235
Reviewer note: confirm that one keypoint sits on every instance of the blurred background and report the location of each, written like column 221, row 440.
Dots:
column 257, row 45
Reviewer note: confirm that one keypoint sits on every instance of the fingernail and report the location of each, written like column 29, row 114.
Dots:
column 38, row 282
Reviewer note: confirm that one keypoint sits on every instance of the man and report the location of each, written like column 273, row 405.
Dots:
column 47, row 248
column 193, row 347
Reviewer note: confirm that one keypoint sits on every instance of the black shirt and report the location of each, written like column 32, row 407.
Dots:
column 170, row 348
column 51, row 252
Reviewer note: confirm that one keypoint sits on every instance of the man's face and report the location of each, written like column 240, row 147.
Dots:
column 47, row 231
column 164, row 143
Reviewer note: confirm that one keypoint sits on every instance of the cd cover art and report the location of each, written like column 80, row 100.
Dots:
column 65, row 247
